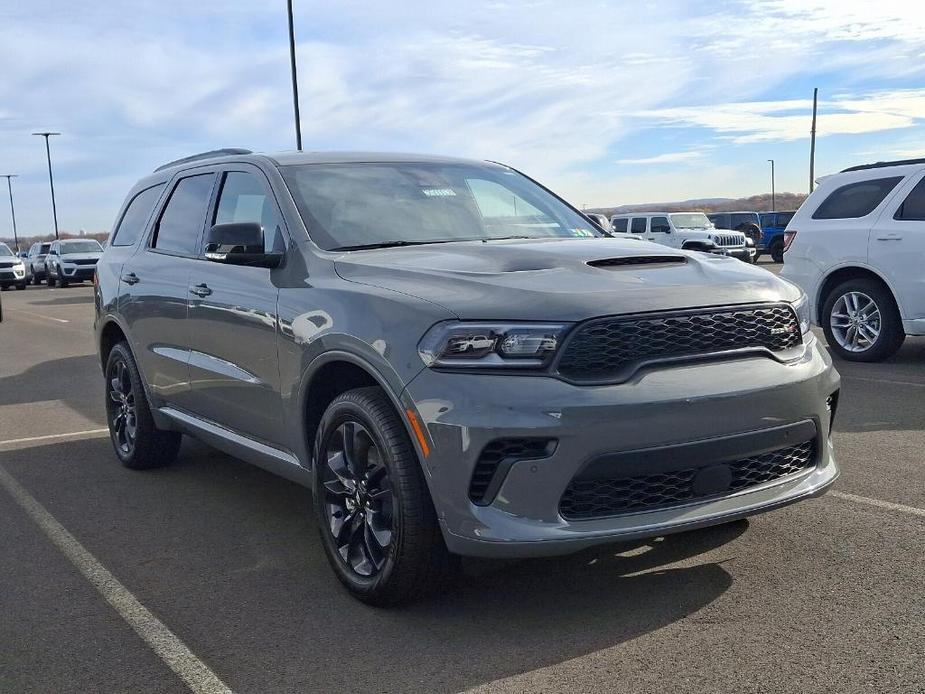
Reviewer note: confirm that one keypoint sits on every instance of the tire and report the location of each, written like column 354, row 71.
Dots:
column 21, row 285
column 889, row 328
column 777, row 251
column 390, row 502
column 36, row 280
column 143, row 445
column 60, row 282
column 752, row 231
column 49, row 280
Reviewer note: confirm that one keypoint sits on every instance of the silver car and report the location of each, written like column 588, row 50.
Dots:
column 71, row 260
column 453, row 358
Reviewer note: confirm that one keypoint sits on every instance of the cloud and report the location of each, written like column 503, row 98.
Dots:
column 667, row 158
column 782, row 121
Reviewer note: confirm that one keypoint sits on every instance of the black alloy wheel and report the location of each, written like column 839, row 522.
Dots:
column 123, row 415
column 357, row 496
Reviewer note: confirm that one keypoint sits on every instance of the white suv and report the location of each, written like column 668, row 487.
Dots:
column 687, row 230
column 857, row 248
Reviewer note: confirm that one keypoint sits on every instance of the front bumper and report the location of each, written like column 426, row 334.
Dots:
column 660, row 407
column 78, row 272
column 12, row 274
column 742, row 253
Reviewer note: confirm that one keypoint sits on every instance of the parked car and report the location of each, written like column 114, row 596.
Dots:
column 35, row 264
column 12, row 269
column 857, row 248
column 748, row 223
column 71, row 260
column 685, row 230
column 453, row 358
column 599, row 219
column 773, row 225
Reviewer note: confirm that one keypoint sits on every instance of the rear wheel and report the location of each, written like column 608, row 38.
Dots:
column 777, row 251
column 375, row 515
column 138, row 443
column 861, row 321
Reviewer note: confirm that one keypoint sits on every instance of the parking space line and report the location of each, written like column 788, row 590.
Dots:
column 889, row 505
column 38, row 315
column 178, row 657
column 89, row 433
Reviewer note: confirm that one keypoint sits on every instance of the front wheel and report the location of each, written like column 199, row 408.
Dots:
column 138, row 443
column 375, row 515
column 21, row 285
column 861, row 321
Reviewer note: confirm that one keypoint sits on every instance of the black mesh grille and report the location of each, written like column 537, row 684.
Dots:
column 83, row 261
column 584, row 499
column 610, row 348
column 503, row 449
column 638, row 260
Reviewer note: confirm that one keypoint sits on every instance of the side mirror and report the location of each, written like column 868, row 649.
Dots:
column 239, row 243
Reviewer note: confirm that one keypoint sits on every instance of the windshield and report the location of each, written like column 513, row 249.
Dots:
column 80, row 247
column 351, row 205
column 5, row 250
column 692, row 220
column 44, row 248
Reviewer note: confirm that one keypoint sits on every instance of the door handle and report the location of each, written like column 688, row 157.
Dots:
column 201, row 290
column 130, row 278
column 890, row 237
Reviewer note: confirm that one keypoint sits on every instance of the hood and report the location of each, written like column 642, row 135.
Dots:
column 561, row 279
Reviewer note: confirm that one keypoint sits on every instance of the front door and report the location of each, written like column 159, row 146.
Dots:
column 234, row 369
column 897, row 247
column 156, row 285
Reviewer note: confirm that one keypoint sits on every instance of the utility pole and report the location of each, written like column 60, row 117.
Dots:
column 295, row 81
column 51, row 179
column 812, row 144
column 773, row 206
column 9, row 185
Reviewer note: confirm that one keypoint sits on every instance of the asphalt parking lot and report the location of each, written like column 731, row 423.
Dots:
column 824, row 596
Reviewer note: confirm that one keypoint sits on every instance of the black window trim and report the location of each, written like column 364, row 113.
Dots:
column 897, row 215
column 144, row 230
column 886, row 196
column 162, row 207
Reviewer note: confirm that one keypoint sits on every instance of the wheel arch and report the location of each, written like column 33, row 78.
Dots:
column 336, row 372
column 843, row 274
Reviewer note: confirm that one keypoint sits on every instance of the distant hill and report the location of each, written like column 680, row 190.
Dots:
column 755, row 203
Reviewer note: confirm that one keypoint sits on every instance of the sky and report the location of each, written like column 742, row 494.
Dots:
column 606, row 102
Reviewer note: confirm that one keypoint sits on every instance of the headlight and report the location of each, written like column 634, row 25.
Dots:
column 801, row 308
column 491, row 345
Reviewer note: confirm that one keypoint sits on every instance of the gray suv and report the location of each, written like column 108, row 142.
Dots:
column 453, row 358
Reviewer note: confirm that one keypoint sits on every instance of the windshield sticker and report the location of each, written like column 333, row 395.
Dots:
column 439, row 192
column 582, row 232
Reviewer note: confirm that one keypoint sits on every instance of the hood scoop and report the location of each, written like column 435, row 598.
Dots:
column 639, row 260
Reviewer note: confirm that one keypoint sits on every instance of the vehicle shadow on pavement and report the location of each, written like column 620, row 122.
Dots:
column 65, row 301
column 228, row 557
column 76, row 381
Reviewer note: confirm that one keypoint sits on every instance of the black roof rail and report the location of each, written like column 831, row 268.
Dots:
column 204, row 155
column 883, row 164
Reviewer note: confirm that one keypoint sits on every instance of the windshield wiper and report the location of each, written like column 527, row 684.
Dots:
column 394, row 244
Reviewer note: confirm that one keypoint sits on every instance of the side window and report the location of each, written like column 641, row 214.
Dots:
column 638, row 225
column 856, row 199
column 619, row 224
column 136, row 215
column 244, row 198
column 913, row 207
column 181, row 221
column 660, row 225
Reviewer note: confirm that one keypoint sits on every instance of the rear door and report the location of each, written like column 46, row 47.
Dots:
column 897, row 246
column 234, row 367
column 156, row 280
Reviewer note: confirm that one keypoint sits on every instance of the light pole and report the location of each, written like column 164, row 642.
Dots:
column 51, row 179
column 773, row 208
column 9, row 185
column 295, row 81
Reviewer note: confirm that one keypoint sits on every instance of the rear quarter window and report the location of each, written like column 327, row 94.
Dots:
column 856, row 199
